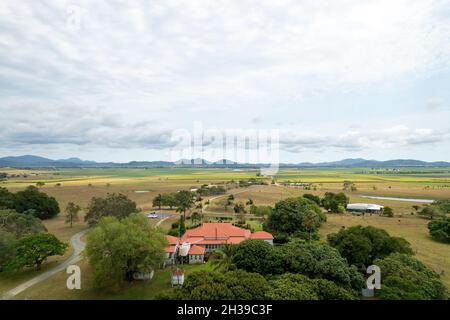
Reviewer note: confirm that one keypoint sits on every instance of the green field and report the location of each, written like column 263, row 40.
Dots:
column 141, row 185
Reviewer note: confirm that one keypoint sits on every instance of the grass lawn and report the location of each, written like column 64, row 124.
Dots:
column 55, row 287
column 434, row 254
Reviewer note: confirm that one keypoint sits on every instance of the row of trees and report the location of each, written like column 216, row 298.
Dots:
column 182, row 200
column 30, row 200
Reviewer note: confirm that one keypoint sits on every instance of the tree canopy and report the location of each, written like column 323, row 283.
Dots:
column 213, row 285
column 440, row 229
column 43, row 206
column 294, row 217
column 320, row 261
column 362, row 245
column 118, row 248
column 20, row 224
column 335, row 201
column 257, row 256
column 405, row 278
column 114, row 205
column 430, row 212
column 34, row 249
column 299, row 287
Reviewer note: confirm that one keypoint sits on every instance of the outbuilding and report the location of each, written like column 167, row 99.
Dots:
column 364, row 208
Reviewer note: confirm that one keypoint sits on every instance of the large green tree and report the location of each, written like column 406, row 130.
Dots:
column 299, row 287
column 257, row 256
column 362, row 245
column 114, row 205
column 118, row 248
column 405, row 278
column 31, row 198
column 213, row 285
column 320, row 261
column 334, row 201
column 294, row 217
column 34, row 249
column 440, row 229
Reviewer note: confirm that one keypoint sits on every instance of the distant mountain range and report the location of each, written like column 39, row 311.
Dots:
column 31, row 161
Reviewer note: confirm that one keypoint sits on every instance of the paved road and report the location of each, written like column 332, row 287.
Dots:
column 78, row 247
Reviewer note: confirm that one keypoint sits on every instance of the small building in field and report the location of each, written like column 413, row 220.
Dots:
column 364, row 208
column 177, row 277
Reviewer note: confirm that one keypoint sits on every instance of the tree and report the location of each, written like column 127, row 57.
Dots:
column 185, row 200
column 44, row 207
column 168, row 199
column 442, row 205
column 196, row 216
column 440, row 229
column 320, row 261
column 114, row 205
column 182, row 226
column 249, row 202
column 222, row 260
column 294, row 217
column 299, row 287
column 331, row 201
column 430, row 212
column 228, row 202
column 6, row 199
column 213, row 285
column 362, row 245
column 20, row 224
column 388, row 212
column 118, row 248
column 405, row 278
column 34, row 249
column 255, row 256
column 239, row 208
column 313, row 198
column 158, row 201
column 7, row 243
column 40, row 184
column 72, row 213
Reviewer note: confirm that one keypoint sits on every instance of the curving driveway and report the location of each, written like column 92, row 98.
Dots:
column 78, row 247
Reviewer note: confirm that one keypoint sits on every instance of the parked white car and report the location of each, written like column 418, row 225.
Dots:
column 152, row 215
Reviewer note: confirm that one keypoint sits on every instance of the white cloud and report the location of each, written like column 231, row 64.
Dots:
column 162, row 63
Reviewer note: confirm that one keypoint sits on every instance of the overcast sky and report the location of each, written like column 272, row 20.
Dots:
column 112, row 80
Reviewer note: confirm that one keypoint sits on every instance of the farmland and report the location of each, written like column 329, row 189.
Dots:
column 141, row 185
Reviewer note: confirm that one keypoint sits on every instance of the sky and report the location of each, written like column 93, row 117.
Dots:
column 133, row 80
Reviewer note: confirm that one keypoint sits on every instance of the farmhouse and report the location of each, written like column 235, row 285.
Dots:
column 364, row 208
column 199, row 242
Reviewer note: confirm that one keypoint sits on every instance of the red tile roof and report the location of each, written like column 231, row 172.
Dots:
column 172, row 240
column 221, row 233
column 196, row 250
column 170, row 249
column 261, row 235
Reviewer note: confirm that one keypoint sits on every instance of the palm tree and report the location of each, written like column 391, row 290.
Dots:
column 222, row 260
column 185, row 200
